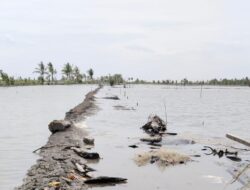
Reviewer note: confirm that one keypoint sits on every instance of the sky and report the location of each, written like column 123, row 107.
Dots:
column 146, row 39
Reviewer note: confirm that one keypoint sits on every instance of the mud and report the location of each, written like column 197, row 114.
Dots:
column 57, row 165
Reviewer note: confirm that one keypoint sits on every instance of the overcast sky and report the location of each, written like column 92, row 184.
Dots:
column 149, row 39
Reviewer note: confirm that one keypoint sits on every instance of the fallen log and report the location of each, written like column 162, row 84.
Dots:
column 238, row 139
column 105, row 180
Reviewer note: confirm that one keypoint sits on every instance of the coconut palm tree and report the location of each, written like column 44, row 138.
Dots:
column 77, row 75
column 67, row 71
column 4, row 77
column 41, row 70
column 90, row 73
column 51, row 71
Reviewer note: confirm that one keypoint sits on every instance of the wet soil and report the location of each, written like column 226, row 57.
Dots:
column 58, row 159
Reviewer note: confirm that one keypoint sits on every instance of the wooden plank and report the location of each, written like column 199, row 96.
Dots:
column 238, row 139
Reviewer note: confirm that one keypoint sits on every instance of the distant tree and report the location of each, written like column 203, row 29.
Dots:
column 4, row 77
column 84, row 77
column 51, row 71
column 184, row 81
column 118, row 78
column 41, row 70
column 90, row 73
column 77, row 75
column 111, row 81
column 67, row 71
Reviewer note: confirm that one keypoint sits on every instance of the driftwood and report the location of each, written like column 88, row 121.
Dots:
column 155, row 125
column 236, row 177
column 238, row 139
column 59, row 125
column 133, row 146
column 105, row 180
column 230, row 155
column 173, row 134
column 234, row 158
column 112, row 98
column 152, row 139
column 86, row 155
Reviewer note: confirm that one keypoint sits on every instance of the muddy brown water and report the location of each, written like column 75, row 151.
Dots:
column 205, row 120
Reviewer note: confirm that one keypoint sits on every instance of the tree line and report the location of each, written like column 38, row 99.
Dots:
column 47, row 74
column 216, row 82
column 70, row 74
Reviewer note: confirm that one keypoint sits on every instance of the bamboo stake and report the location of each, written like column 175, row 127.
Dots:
column 238, row 139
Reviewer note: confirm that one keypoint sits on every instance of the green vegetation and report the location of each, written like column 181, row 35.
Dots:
column 5, row 79
column 219, row 82
column 41, row 70
column 51, row 73
column 47, row 75
column 67, row 71
column 71, row 74
column 90, row 73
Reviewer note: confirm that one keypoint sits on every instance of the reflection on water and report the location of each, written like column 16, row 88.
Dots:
column 24, row 115
column 206, row 119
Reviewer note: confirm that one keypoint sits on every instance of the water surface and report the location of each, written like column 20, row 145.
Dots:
column 204, row 117
column 24, row 116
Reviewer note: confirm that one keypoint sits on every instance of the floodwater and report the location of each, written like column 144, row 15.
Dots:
column 25, row 113
column 204, row 116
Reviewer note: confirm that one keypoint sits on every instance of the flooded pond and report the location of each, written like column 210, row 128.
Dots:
column 204, row 117
column 200, row 116
column 24, row 116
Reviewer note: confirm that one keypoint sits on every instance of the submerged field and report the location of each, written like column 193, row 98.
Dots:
column 199, row 117
column 200, row 120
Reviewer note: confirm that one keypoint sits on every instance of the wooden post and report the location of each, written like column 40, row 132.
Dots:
column 237, row 139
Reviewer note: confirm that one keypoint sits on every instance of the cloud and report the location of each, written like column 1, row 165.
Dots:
column 173, row 38
column 139, row 48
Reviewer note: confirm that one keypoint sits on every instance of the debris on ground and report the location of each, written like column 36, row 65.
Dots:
column 220, row 153
column 241, row 174
column 54, row 184
column 86, row 155
column 155, row 125
column 124, row 108
column 154, row 139
column 133, row 146
column 59, row 125
column 238, row 139
column 163, row 157
column 111, row 98
column 89, row 141
column 105, row 180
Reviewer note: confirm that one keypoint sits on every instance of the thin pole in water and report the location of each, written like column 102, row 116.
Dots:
column 201, row 92
column 166, row 116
